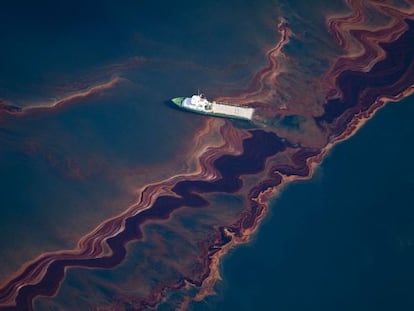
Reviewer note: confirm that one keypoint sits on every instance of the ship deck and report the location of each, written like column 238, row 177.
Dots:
column 236, row 111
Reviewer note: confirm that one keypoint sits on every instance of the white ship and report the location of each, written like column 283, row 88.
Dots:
column 199, row 104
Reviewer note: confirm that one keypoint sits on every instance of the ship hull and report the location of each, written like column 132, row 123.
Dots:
column 221, row 110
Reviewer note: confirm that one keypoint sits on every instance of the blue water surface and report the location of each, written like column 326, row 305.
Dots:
column 342, row 241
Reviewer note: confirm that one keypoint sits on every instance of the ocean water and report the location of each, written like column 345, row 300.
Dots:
column 341, row 241
column 51, row 45
column 65, row 170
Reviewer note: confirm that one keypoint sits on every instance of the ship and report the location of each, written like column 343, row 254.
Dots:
column 200, row 104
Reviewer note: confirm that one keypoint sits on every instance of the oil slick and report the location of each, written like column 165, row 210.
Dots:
column 249, row 166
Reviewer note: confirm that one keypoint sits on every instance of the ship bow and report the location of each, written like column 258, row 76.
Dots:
column 178, row 101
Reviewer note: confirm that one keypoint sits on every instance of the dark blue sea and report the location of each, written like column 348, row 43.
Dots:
column 341, row 241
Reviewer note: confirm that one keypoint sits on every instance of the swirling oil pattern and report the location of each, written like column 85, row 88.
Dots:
column 164, row 249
